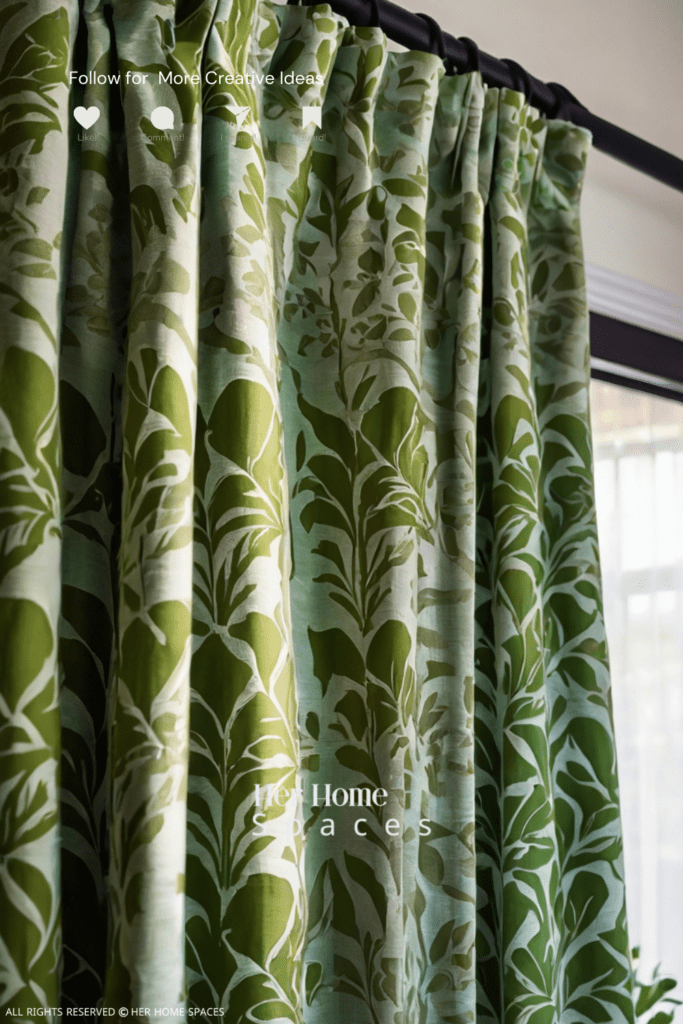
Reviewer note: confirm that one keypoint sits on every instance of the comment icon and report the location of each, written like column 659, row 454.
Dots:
column 162, row 118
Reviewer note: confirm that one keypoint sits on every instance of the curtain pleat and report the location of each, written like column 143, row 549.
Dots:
column 300, row 600
column 33, row 188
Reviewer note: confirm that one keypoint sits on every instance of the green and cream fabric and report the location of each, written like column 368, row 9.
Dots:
column 296, row 490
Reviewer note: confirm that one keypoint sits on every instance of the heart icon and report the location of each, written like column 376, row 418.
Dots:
column 86, row 118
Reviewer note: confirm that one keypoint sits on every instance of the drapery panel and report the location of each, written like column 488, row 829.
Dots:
column 305, row 710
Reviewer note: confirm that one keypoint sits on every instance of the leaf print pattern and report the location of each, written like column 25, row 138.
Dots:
column 32, row 142
column 296, row 497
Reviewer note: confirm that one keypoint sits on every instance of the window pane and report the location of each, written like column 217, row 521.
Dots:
column 638, row 445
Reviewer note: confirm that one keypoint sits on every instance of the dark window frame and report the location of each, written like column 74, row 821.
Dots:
column 636, row 357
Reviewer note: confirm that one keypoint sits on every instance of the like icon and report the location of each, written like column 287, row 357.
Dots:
column 86, row 117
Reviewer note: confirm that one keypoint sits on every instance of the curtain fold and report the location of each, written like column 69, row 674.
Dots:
column 305, row 705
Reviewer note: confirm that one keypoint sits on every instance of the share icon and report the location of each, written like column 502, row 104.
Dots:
column 239, row 113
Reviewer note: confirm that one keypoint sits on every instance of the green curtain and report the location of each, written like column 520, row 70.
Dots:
column 296, row 491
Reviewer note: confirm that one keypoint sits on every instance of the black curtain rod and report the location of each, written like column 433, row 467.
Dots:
column 418, row 32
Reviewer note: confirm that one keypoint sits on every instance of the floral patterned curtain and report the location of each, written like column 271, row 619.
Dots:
column 304, row 711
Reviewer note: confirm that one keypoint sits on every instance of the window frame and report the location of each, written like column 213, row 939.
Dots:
column 635, row 357
column 641, row 359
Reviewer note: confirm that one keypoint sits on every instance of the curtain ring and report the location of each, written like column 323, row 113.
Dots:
column 374, row 14
column 520, row 77
column 563, row 98
column 473, row 59
column 436, row 36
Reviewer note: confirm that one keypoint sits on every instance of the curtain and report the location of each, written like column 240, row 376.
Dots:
column 305, row 695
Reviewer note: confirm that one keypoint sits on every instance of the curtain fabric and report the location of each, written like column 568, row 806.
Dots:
column 305, row 710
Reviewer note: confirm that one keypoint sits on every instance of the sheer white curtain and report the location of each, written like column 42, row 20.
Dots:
column 638, row 442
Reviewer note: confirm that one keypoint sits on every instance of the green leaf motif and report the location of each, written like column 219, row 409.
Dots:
column 296, row 497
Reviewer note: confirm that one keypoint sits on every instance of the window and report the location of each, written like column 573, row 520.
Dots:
column 638, row 450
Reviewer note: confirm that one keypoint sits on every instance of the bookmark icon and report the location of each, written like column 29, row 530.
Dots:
column 311, row 115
